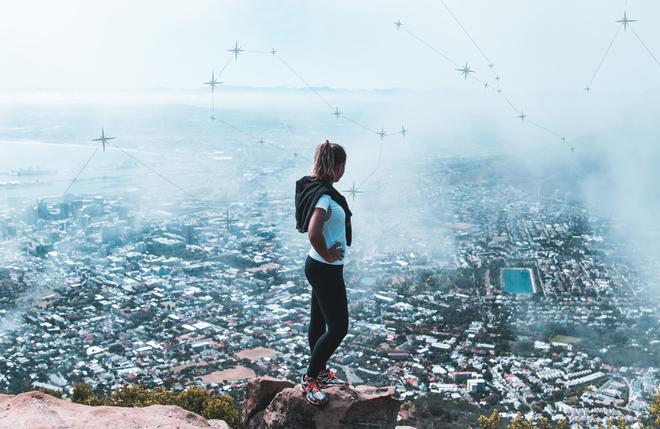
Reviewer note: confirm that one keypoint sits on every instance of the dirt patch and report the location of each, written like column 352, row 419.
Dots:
column 230, row 374
column 256, row 353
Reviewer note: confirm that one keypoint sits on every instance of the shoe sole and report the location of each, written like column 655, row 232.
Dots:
column 307, row 399
column 313, row 403
column 316, row 404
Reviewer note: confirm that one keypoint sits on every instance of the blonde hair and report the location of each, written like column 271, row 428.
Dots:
column 326, row 158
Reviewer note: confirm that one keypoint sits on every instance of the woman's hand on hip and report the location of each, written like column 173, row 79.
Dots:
column 335, row 252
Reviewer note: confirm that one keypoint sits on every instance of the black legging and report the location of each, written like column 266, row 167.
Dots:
column 329, row 306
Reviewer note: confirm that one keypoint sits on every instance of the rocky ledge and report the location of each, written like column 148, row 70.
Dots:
column 271, row 403
column 36, row 410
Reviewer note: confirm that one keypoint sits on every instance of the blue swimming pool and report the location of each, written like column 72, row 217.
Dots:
column 517, row 280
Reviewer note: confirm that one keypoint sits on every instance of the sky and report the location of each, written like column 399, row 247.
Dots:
column 535, row 46
column 546, row 52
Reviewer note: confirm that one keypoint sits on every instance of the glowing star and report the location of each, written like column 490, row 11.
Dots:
column 403, row 131
column 465, row 71
column 353, row 191
column 337, row 112
column 273, row 52
column 497, row 78
column 586, row 88
column 382, row 133
column 522, row 116
column 563, row 139
column 213, row 82
column 235, row 50
column 625, row 21
column 103, row 139
column 398, row 24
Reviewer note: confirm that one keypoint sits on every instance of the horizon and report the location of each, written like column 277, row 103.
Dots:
column 148, row 157
column 76, row 43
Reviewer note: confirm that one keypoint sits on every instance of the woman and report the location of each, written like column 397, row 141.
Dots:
column 323, row 213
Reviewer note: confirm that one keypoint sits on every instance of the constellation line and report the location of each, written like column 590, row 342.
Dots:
column 225, row 66
column 380, row 150
column 645, row 47
column 81, row 170
column 467, row 72
column 304, row 81
column 150, row 168
column 603, row 57
column 476, row 45
column 433, row 48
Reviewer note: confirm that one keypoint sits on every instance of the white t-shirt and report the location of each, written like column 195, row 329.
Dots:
column 334, row 229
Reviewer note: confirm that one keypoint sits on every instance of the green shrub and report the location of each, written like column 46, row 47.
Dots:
column 495, row 421
column 55, row 393
column 82, row 394
column 195, row 399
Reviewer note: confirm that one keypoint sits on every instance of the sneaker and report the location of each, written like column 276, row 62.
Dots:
column 329, row 378
column 312, row 391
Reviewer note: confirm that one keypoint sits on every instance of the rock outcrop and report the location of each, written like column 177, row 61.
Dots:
column 36, row 410
column 269, row 403
column 279, row 404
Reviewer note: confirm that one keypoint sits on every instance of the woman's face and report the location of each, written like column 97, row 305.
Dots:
column 339, row 171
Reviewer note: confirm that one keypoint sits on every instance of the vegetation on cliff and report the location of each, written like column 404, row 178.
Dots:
column 196, row 399
column 494, row 421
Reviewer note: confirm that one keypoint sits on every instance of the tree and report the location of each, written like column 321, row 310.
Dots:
column 491, row 421
column 654, row 414
column 82, row 394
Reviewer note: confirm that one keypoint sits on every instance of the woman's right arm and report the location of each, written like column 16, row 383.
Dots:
column 315, row 234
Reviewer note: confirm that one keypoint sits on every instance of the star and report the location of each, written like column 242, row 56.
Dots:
column 625, row 21
column 563, row 139
column 586, row 88
column 261, row 141
column 497, row 78
column 337, row 112
column 235, row 50
column 572, row 148
column 490, row 65
column 465, row 71
column 213, row 82
column 353, row 191
column 273, row 52
column 403, row 131
column 485, row 84
column 103, row 139
column 522, row 116
column 398, row 24
column 382, row 133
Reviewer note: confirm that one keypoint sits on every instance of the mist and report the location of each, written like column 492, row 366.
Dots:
column 482, row 137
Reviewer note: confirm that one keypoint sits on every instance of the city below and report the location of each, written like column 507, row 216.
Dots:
column 503, row 298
